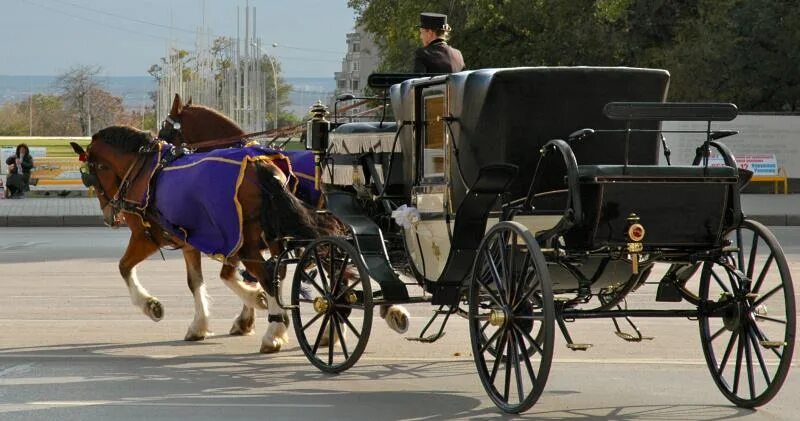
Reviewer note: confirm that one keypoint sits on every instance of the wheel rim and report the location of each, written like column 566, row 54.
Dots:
column 747, row 322
column 510, row 297
column 333, row 299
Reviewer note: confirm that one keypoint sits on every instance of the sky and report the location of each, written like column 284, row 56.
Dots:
column 125, row 37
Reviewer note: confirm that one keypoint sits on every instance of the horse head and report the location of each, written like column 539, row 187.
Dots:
column 188, row 124
column 107, row 164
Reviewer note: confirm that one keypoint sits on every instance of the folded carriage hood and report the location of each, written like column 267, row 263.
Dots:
column 507, row 115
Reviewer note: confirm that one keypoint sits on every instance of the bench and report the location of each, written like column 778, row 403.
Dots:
column 780, row 177
column 57, row 174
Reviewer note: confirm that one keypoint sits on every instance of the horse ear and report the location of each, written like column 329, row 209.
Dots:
column 189, row 103
column 77, row 148
column 177, row 106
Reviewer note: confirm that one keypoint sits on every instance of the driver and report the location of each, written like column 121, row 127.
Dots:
column 436, row 56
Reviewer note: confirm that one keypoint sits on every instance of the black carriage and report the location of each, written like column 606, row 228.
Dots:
column 527, row 197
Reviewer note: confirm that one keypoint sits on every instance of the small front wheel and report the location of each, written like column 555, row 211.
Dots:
column 332, row 299
column 510, row 298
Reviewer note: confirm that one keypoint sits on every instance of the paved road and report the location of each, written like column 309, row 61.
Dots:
column 72, row 347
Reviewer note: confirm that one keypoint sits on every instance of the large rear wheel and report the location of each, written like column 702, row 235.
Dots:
column 747, row 316
column 511, row 297
column 332, row 296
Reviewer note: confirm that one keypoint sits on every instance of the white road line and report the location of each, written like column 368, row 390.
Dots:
column 178, row 404
column 466, row 358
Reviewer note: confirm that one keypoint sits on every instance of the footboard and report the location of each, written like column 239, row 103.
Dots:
column 678, row 206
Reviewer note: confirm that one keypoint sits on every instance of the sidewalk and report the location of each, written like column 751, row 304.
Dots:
column 771, row 209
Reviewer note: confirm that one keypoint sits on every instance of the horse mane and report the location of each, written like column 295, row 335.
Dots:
column 214, row 112
column 124, row 138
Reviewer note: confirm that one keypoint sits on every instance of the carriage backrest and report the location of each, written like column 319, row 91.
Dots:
column 507, row 115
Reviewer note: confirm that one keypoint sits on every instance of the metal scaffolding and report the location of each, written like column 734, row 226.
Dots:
column 231, row 75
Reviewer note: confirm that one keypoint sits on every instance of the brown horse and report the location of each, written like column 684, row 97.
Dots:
column 115, row 164
column 192, row 124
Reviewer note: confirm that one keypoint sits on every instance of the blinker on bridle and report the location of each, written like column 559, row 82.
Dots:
column 169, row 133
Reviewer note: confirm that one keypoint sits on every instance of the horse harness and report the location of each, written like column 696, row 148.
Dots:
column 133, row 178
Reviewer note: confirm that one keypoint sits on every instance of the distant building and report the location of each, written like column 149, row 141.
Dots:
column 361, row 60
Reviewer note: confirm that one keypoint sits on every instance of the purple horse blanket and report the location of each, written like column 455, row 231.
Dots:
column 195, row 195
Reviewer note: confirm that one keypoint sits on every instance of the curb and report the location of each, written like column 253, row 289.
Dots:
column 52, row 221
column 97, row 220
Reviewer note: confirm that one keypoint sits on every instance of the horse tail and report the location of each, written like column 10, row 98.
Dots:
column 284, row 215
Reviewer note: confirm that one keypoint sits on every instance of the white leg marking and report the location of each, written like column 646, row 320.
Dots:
column 142, row 299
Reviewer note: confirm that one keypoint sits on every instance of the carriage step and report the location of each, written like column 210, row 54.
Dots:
column 772, row 344
column 630, row 338
column 579, row 347
column 426, row 339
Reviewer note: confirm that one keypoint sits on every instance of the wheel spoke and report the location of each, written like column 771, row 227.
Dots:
column 763, row 337
column 759, row 355
column 508, row 363
column 524, row 349
column 496, row 277
column 749, row 361
column 719, row 281
column 313, row 282
column 528, row 293
column 331, row 271
column 336, row 318
column 530, row 339
column 763, row 274
column 495, row 336
column 751, row 264
column 320, row 270
column 738, row 368
column 740, row 249
column 319, row 335
column 516, row 363
column 348, row 289
column 512, row 285
column 341, row 278
column 767, row 295
column 770, row 319
column 330, row 340
column 717, row 333
column 310, row 322
column 492, row 295
column 728, row 349
column 501, row 344
column 351, row 327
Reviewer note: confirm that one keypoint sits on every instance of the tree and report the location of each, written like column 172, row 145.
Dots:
column 743, row 51
column 77, row 85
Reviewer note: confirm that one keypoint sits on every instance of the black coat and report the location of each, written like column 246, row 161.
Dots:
column 438, row 57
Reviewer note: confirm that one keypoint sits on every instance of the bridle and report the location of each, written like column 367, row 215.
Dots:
column 117, row 203
column 171, row 133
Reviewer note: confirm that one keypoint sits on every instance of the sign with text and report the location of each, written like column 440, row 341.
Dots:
column 759, row 164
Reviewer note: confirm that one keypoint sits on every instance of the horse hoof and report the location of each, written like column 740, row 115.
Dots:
column 154, row 309
column 397, row 318
column 240, row 329
column 193, row 337
column 270, row 348
column 261, row 301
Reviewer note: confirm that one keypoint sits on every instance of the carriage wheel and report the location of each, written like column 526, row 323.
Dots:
column 510, row 296
column 332, row 296
column 747, row 316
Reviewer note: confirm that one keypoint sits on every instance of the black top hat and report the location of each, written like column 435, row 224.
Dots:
column 435, row 21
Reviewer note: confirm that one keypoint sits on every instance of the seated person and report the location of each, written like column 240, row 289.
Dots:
column 19, row 172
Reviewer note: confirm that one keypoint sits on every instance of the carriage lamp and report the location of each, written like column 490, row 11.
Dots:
column 317, row 129
column 317, row 137
column 635, row 235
